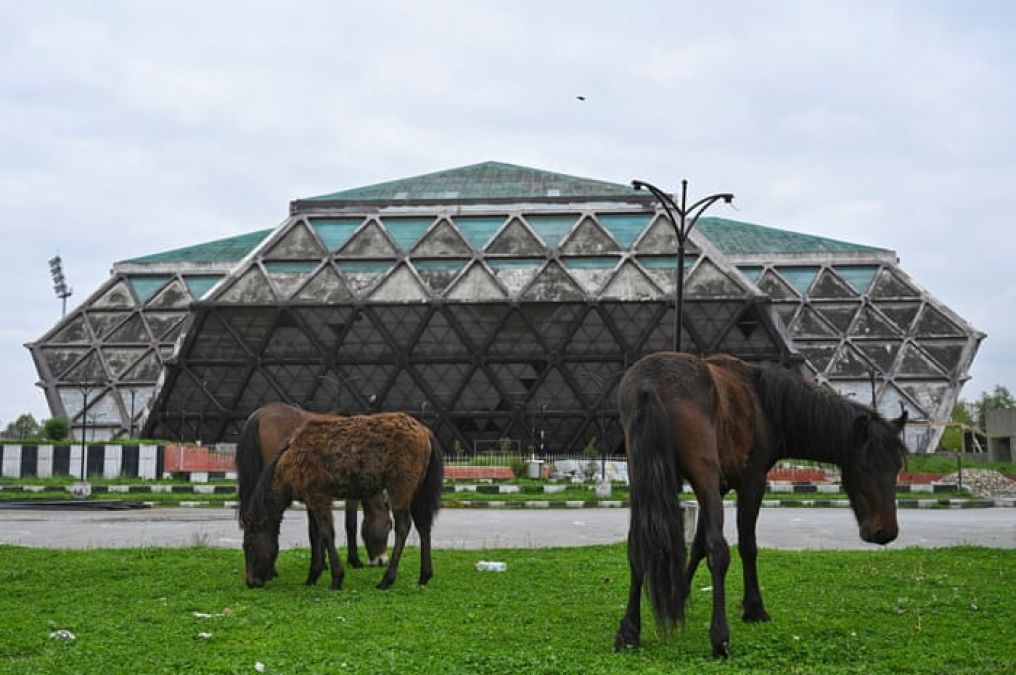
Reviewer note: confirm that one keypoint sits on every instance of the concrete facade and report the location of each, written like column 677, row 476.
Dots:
column 1001, row 434
column 493, row 301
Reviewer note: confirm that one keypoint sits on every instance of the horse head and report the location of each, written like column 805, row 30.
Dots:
column 261, row 519
column 377, row 523
column 260, row 550
column 869, row 475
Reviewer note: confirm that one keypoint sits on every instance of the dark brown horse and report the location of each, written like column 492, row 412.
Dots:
column 265, row 433
column 721, row 424
column 355, row 458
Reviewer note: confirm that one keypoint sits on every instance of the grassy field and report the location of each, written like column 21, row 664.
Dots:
column 553, row 611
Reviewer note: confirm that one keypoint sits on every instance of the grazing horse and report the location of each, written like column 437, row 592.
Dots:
column 721, row 424
column 264, row 433
column 352, row 457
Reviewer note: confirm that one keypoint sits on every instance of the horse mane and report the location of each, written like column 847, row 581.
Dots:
column 815, row 422
column 261, row 504
column 248, row 461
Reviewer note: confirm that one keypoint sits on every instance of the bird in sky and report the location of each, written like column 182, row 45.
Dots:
column 581, row 98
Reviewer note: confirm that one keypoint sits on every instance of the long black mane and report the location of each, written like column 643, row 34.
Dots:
column 249, row 463
column 261, row 508
column 814, row 422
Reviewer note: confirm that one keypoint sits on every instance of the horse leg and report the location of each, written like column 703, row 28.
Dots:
column 352, row 550
column 402, row 523
column 698, row 548
column 326, row 530
column 717, row 556
column 627, row 636
column 317, row 551
column 426, row 565
column 749, row 500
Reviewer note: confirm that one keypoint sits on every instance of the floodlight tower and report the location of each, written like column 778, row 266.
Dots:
column 59, row 282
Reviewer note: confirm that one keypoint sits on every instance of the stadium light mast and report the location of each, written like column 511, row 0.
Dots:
column 59, row 282
column 687, row 217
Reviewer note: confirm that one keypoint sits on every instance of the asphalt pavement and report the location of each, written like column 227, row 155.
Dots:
column 786, row 528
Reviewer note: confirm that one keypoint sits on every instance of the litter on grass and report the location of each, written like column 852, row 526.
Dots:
column 491, row 566
column 62, row 635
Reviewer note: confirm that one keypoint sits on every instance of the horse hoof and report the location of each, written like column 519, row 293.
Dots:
column 336, row 585
column 722, row 650
column 625, row 639
column 384, row 584
column 355, row 563
column 760, row 616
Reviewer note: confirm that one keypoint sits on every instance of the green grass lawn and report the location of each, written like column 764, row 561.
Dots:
column 553, row 611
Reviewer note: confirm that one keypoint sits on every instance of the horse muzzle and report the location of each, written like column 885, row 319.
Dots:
column 255, row 582
column 879, row 534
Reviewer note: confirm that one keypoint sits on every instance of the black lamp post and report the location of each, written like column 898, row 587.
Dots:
column 133, row 394
column 687, row 217
column 82, row 489
column 84, row 429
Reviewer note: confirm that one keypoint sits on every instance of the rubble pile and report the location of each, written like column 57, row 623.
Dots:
column 983, row 483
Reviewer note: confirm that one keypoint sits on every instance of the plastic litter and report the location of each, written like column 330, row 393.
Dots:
column 491, row 566
column 62, row 635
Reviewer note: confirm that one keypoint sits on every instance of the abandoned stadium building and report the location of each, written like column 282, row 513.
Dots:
column 494, row 302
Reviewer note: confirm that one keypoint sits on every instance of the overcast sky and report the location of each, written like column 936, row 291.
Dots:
column 128, row 128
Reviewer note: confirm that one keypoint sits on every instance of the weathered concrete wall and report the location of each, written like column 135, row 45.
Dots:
column 1001, row 434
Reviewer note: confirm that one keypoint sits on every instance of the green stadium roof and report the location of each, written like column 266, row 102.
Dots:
column 487, row 180
column 230, row 249
column 733, row 237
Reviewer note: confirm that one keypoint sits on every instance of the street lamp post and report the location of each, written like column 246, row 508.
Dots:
column 82, row 489
column 687, row 217
column 133, row 394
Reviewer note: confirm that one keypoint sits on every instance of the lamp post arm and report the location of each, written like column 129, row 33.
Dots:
column 668, row 205
column 698, row 208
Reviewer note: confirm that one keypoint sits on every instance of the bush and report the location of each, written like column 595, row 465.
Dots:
column 56, row 428
column 517, row 466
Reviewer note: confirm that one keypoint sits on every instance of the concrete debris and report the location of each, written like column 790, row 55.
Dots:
column 983, row 482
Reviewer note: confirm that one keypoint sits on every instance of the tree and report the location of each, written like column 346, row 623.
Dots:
column 24, row 426
column 1000, row 397
column 952, row 438
column 56, row 428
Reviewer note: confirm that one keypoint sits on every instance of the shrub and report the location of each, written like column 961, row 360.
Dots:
column 56, row 428
column 517, row 466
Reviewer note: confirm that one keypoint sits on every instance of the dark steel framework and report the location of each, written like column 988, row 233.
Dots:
column 472, row 371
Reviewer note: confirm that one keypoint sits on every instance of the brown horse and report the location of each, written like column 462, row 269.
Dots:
column 265, row 433
column 721, row 424
column 355, row 458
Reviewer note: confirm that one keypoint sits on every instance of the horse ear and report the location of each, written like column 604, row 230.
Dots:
column 900, row 422
column 861, row 425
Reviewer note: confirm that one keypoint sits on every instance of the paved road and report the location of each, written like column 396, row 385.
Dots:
column 789, row 528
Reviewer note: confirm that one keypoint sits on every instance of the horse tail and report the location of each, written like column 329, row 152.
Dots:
column 249, row 462
column 656, row 535
column 427, row 500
